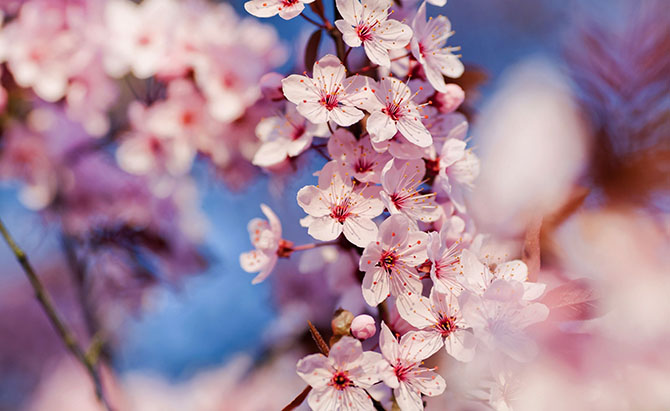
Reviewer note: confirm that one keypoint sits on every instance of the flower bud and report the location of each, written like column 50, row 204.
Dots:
column 341, row 322
column 363, row 327
column 271, row 86
column 451, row 99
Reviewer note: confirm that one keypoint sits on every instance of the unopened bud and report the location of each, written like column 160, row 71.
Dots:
column 363, row 327
column 341, row 322
column 451, row 99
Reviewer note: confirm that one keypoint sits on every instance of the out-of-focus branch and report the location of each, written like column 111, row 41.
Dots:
column 63, row 331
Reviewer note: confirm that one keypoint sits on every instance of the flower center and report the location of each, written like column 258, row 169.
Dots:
column 362, row 166
column 364, row 32
column 340, row 211
column 298, row 131
column 446, row 325
column 387, row 260
column 288, row 3
column 393, row 110
column 329, row 101
column 401, row 371
column 341, row 380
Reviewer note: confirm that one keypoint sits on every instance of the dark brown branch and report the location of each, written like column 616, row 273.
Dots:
column 298, row 400
column 63, row 331
column 318, row 339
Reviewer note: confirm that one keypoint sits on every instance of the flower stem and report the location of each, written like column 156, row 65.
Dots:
column 313, row 245
column 63, row 331
column 317, row 24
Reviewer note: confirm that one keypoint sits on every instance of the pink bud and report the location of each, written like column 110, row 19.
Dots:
column 363, row 327
column 271, row 86
column 451, row 99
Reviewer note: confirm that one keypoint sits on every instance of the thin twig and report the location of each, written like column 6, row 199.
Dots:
column 312, row 21
column 298, row 400
column 63, row 331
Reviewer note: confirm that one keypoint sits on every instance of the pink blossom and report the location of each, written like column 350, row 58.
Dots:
column 440, row 316
column 266, row 238
column 479, row 276
column 271, row 86
column 392, row 110
column 500, row 316
column 139, row 36
column 285, row 136
column 330, row 95
column 445, row 270
column 458, row 170
column 335, row 207
column 365, row 23
column 402, row 192
column 356, row 157
column 363, row 327
column 389, row 262
column 406, row 376
column 287, row 9
column 339, row 380
column 145, row 151
column 428, row 48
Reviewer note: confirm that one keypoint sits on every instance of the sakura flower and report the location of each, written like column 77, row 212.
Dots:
column 458, row 170
column 402, row 194
column 143, row 151
column 365, row 23
column 285, row 136
column 356, row 157
column 266, row 238
column 479, row 276
column 428, row 48
column 335, row 207
column 389, row 262
column 406, row 376
column 339, row 381
column 445, row 270
column 330, row 95
column 500, row 316
column 440, row 317
column 287, row 9
column 139, row 35
column 392, row 110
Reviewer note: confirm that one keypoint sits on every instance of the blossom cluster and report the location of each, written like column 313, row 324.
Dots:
column 106, row 106
column 394, row 193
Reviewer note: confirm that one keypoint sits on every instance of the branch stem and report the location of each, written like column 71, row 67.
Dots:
column 63, row 331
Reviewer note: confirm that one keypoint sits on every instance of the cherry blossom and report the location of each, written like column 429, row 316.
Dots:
column 287, row 9
column 339, row 381
column 145, row 151
column 405, row 375
column 440, row 316
column 445, row 269
column 458, row 170
column 500, row 316
column 265, row 236
column 389, row 262
column 356, row 157
column 284, row 136
column 480, row 276
column 139, row 35
column 330, row 95
column 392, row 110
column 334, row 206
column 365, row 23
column 428, row 48
column 402, row 192
column 363, row 327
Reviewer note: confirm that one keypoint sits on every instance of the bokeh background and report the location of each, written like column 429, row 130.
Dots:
column 214, row 318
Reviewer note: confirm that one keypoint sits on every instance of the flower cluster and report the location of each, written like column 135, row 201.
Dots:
column 394, row 194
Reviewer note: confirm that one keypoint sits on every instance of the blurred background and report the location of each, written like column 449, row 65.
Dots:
column 193, row 319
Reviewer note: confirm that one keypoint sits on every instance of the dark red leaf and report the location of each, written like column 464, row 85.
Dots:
column 312, row 49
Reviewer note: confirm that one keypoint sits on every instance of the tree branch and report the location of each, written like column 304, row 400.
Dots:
column 63, row 331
